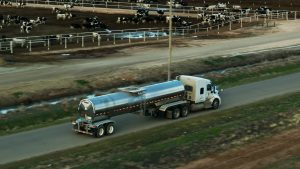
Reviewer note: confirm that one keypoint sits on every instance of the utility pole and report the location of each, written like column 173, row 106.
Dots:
column 170, row 40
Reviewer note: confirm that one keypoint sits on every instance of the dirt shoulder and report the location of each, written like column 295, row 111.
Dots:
column 255, row 155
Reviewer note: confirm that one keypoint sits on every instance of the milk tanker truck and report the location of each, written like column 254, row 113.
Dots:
column 171, row 99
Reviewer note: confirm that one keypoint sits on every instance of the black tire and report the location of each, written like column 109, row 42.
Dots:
column 99, row 132
column 175, row 113
column 184, row 111
column 110, row 129
column 215, row 104
column 155, row 114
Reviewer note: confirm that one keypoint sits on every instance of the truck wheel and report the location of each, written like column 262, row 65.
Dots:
column 155, row 114
column 100, row 131
column 185, row 111
column 215, row 104
column 110, row 129
column 176, row 113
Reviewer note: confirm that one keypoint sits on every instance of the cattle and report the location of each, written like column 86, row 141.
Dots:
column 236, row 7
column 175, row 19
column 263, row 10
column 5, row 3
column 185, row 23
column 160, row 11
column 26, row 27
column 55, row 10
column 68, row 6
column 221, row 5
column 64, row 16
column 93, row 23
column 21, row 4
column 19, row 41
column 211, row 7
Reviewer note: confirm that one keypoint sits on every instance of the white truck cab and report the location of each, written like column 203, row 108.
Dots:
column 200, row 92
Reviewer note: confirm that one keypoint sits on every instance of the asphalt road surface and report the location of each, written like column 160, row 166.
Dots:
column 45, row 140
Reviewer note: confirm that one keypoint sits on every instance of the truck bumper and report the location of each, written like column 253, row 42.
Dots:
column 84, row 132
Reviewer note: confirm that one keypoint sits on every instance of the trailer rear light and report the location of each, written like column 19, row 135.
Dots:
column 73, row 122
column 93, row 126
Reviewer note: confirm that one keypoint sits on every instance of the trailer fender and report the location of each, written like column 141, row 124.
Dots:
column 104, row 122
column 164, row 107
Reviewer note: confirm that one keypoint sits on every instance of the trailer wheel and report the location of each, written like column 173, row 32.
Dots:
column 185, row 111
column 215, row 104
column 176, row 113
column 155, row 114
column 110, row 129
column 99, row 132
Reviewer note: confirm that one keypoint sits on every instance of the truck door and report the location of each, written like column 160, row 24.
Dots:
column 202, row 94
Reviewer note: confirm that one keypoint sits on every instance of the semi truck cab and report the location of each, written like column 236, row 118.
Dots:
column 200, row 90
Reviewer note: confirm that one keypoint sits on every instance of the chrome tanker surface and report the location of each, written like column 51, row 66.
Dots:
column 137, row 95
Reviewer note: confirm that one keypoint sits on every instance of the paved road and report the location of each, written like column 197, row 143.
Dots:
column 59, row 137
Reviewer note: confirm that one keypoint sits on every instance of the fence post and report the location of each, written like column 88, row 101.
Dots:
column 118, row 5
column 271, row 15
column 105, row 4
column 250, row 19
column 114, row 38
column 295, row 15
column 131, row 6
column 99, row 40
column 30, row 46
column 287, row 16
column 82, row 41
column 11, row 47
column 183, row 32
column 241, row 22
column 206, row 31
column 218, row 29
column 65, row 43
column 48, row 48
column 129, row 40
column 144, row 36
column 157, row 35
column 230, row 26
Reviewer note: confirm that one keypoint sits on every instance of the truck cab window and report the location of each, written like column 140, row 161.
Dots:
column 188, row 88
column 202, row 90
column 209, row 87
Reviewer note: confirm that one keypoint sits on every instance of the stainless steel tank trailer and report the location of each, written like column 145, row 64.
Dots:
column 171, row 99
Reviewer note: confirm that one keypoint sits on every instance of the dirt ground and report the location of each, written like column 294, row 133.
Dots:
column 256, row 155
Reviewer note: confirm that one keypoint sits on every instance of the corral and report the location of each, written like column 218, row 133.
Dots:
column 68, row 25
